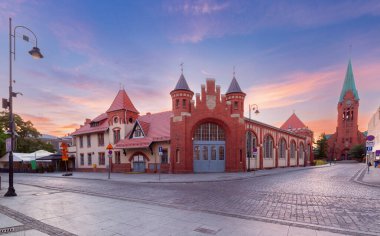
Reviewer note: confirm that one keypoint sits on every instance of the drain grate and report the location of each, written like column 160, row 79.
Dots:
column 206, row 230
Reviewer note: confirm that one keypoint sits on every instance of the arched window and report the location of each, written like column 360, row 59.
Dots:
column 282, row 150
column 251, row 143
column 209, row 132
column 293, row 149
column 268, row 147
column 302, row 151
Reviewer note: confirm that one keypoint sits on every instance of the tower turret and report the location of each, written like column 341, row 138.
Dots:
column 181, row 97
column 235, row 97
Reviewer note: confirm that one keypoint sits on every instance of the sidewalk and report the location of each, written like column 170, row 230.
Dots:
column 173, row 178
column 38, row 211
column 372, row 178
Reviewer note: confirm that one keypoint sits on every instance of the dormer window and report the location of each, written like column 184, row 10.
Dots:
column 116, row 120
column 138, row 132
column 94, row 124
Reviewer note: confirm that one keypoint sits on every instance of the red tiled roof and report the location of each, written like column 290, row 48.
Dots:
column 293, row 123
column 86, row 129
column 144, row 126
column 134, row 143
column 156, row 128
column 122, row 101
column 100, row 117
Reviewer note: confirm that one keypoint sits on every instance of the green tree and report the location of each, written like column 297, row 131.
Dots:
column 320, row 151
column 357, row 152
column 27, row 135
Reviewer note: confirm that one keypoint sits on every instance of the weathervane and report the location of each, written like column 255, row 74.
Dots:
column 181, row 65
column 234, row 71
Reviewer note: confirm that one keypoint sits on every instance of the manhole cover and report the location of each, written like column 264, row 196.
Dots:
column 206, row 230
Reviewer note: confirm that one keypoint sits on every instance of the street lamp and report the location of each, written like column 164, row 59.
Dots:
column 251, row 107
column 36, row 54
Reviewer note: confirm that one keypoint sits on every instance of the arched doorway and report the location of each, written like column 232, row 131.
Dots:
column 209, row 148
column 138, row 162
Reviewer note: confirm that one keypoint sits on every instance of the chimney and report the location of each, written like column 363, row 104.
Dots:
column 148, row 113
column 87, row 121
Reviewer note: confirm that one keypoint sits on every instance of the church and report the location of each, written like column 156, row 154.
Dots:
column 205, row 134
column 347, row 134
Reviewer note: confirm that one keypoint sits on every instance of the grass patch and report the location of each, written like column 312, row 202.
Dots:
column 320, row 162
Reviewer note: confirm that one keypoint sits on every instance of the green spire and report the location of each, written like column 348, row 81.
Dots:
column 349, row 84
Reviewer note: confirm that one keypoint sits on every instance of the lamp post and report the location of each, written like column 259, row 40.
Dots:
column 251, row 107
column 36, row 54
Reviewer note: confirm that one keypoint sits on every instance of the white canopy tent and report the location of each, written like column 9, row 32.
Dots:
column 23, row 157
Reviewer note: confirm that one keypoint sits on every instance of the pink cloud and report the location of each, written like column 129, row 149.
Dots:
column 298, row 87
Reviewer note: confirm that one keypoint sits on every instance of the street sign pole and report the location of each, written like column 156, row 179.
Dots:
column 159, row 171
column 109, row 148
column 370, row 142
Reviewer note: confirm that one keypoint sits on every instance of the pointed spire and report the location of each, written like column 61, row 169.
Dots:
column 122, row 102
column 349, row 83
column 234, row 86
column 182, row 84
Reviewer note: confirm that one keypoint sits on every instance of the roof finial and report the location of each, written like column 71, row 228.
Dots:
column 350, row 49
column 181, row 65
column 294, row 111
column 120, row 86
column 234, row 73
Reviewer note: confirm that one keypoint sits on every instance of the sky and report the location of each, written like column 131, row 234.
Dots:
column 289, row 56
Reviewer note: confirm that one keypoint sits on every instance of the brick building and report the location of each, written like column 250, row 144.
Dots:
column 209, row 134
column 347, row 133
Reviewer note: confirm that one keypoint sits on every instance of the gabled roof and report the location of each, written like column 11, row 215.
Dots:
column 122, row 102
column 234, row 87
column 143, row 125
column 182, row 84
column 349, row 84
column 293, row 123
column 156, row 128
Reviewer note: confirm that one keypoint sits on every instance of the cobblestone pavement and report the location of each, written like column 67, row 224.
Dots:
column 29, row 223
column 322, row 197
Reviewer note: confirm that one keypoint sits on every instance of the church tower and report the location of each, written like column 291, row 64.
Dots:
column 347, row 134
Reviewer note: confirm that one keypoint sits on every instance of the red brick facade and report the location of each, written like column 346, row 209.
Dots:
column 227, row 111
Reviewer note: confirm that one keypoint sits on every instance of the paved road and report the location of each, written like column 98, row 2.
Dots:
column 324, row 197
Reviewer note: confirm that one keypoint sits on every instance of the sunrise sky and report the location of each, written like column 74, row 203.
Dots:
column 289, row 55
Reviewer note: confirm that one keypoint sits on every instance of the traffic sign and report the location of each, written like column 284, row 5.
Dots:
column 370, row 138
column 109, row 147
column 65, row 157
column 254, row 151
column 370, row 143
column 369, row 149
column 110, row 152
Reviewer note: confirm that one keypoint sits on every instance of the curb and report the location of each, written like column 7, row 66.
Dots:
column 358, row 178
column 192, row 182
